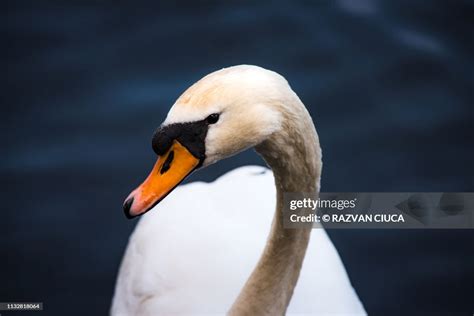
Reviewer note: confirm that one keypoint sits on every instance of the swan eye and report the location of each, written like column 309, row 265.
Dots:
column 213, row 118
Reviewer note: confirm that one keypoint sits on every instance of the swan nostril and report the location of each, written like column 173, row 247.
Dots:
column 126, row 207
column 167, row 164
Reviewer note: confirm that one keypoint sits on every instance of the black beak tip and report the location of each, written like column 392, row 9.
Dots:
column 126, row 208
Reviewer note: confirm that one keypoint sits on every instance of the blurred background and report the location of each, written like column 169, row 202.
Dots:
column 388, row 83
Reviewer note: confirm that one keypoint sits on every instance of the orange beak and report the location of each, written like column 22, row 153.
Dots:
column 169, row 170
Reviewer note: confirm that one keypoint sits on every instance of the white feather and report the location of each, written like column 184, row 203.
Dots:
column 166, row 269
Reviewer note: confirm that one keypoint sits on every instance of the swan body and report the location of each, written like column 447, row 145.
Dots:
column 166, row 270
column 217, row 248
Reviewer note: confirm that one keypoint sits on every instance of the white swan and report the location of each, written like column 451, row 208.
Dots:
column 209, row 249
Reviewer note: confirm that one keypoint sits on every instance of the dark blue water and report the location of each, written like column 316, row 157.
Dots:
column 388, row 83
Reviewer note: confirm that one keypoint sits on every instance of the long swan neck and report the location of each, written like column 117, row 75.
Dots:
column 294, row 155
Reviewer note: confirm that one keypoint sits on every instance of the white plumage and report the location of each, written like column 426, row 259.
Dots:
column 210, row 248
column 194, row 251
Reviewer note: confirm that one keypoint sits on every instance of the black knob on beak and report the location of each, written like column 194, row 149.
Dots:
column 162, row 140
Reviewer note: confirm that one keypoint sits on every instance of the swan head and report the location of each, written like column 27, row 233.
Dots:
column 222, row 114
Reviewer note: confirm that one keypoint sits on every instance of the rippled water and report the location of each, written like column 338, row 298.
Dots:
column 388, row 83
